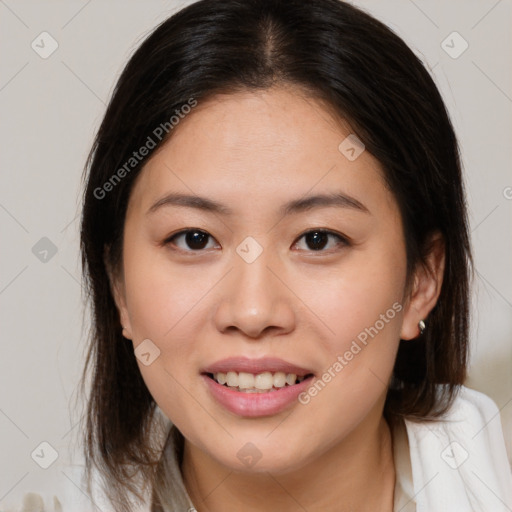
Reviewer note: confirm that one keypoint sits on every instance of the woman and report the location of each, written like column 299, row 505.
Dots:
column 275, row 241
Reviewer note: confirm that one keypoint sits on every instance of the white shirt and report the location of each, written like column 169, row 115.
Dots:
column 456, row 464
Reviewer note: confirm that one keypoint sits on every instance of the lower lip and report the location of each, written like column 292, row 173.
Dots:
column 256, row 404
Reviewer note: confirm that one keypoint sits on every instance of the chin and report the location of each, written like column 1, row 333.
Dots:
column 261, row 453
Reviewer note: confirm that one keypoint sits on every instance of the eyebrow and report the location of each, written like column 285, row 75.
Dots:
column 339, row 200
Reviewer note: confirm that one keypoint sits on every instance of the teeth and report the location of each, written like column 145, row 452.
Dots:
column 266, row 380
column 279, row 379
column 260, row 383
column 232, row 379
column 290, row 379
column 245, row 380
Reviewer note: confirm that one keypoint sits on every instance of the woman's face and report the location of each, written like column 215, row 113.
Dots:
column 254, row 243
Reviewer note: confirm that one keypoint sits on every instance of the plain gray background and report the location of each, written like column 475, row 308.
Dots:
column 50, row 109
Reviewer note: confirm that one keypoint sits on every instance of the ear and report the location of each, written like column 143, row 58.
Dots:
column 117, row 288
column 425, row 289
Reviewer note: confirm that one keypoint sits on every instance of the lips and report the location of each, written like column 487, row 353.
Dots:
column 256, row 366
column 256, row 387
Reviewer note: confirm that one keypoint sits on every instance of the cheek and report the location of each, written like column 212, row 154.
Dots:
column 360, row 303
column 359, row 300
column 161, row 297
column 162, row 303
column 165, row 307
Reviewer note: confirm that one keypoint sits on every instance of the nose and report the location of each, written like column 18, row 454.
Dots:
column 255, row 300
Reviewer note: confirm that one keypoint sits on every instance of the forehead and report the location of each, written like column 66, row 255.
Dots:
column 252, row 147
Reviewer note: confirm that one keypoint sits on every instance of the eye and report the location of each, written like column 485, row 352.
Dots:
column 194, row 239
column 318, row 239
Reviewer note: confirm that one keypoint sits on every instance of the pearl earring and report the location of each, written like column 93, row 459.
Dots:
column 422, row 326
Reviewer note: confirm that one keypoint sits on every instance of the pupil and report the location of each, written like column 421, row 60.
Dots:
column 318, row 240
column 196, row 239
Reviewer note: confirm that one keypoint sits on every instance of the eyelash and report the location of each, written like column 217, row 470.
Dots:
column 342, row 240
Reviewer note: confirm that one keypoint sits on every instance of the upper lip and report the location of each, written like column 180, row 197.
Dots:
column 255, row 366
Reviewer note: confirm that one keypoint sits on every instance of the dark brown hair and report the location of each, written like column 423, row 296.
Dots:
column 367, row 75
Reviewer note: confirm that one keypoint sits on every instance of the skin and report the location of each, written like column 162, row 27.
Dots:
column 254, row 151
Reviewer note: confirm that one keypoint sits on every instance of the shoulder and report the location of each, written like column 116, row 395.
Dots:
column 471, row 412
column 459, row 462
column 480, row 407
column 472, row 416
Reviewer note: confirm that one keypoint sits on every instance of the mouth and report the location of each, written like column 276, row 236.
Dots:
column 263, row 382
column 256, row 387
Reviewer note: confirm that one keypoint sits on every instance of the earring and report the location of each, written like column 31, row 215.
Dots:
column 125, row 333
column 422, row 326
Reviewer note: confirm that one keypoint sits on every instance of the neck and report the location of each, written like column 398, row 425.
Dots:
column 357, row 474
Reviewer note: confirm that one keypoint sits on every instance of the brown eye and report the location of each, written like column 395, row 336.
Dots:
column 190, row 240
column 317, row 240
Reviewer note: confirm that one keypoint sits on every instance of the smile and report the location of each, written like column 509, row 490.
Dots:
column 260, row 383
column 255, row 387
